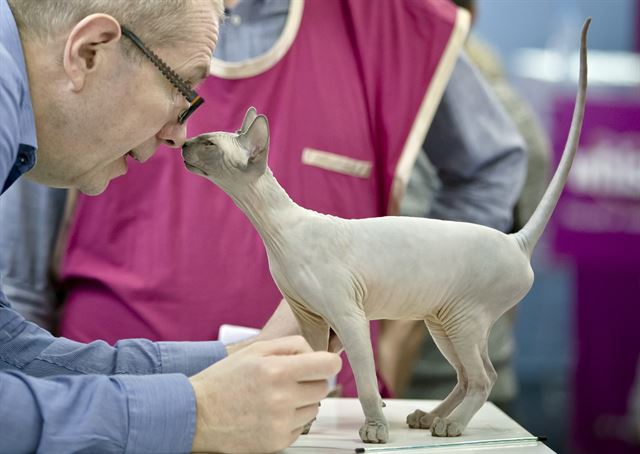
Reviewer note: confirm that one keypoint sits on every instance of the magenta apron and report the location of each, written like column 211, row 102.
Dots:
column 349, row 89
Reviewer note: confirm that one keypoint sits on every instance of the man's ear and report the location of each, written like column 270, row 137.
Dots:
column 85, row 44
column 248, row 119
column 256, row 139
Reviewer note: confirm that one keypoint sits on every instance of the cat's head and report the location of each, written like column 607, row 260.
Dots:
column 230, row 159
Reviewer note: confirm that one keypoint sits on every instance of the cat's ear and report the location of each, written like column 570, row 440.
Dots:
column 248, row 119
column 255, row 140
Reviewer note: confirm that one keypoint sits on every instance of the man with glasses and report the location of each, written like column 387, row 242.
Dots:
column 87, row 99
column 481, row 165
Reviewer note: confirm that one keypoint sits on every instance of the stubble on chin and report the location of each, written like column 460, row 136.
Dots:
column 93, row 188
column 95, row 183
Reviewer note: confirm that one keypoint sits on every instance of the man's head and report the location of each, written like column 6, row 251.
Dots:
column 232, row 161
column 96, row 97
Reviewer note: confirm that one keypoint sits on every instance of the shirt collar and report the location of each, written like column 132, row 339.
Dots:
column 10, row 39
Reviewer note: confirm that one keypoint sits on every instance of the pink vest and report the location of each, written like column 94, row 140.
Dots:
column 349, row 90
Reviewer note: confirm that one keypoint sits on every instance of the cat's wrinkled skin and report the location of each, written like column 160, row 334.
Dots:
column 457, row 277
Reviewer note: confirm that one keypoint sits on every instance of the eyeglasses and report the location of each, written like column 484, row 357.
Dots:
column 183, row 87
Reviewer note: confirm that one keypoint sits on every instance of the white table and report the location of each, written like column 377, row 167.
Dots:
column 336, row 431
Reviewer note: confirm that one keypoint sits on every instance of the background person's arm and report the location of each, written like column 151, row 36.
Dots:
column 477, row 152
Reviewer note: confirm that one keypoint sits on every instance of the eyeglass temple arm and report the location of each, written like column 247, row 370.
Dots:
column 175, row 80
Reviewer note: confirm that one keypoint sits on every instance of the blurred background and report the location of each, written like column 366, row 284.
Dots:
column 578, row 331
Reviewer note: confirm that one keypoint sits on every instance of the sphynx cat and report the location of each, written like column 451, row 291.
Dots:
column 340, row 273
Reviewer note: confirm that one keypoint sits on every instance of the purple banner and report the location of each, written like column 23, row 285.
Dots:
column 597, row 224
column 606, row 378
column 598, row 216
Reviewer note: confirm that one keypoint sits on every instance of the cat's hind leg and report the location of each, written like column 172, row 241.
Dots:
column 421, row 419
column 468, row 335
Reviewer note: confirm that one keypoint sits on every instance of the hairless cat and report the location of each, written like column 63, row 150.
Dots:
column 340, row 273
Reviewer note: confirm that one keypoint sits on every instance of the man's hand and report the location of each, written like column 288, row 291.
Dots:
column 260, row 398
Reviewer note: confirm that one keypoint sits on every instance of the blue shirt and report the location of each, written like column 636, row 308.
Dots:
column 58, row 395
column 479, row 165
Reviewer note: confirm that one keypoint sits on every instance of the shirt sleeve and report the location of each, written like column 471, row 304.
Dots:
column 30, row 349
column 96, row 413
column 477, row 151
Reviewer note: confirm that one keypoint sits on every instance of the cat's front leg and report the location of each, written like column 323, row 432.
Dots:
column 353, row 330
column 315, row 330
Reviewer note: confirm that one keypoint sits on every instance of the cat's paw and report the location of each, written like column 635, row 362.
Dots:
column 420, row 419
column 307, row 427
column 374, row 431
column 442, row 427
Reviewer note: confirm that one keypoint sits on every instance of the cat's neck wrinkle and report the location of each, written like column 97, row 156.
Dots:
column 269, row 208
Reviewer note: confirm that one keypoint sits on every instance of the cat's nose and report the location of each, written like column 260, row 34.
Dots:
column 186, row 151
column 187, row 144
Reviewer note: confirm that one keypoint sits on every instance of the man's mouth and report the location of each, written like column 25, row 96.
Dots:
column 133, row 155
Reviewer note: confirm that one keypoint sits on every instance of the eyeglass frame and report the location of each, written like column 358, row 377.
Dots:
column 194, row 99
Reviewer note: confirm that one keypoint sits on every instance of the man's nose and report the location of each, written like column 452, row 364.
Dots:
column 173, row 134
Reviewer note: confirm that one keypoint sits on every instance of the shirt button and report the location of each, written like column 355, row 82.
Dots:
column 22, row 160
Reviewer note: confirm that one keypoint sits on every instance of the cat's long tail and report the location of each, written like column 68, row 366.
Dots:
column 529, row 235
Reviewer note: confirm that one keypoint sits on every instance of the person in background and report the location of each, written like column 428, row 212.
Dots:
column 417, row 367
column 79, row 92
column 341, row 120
